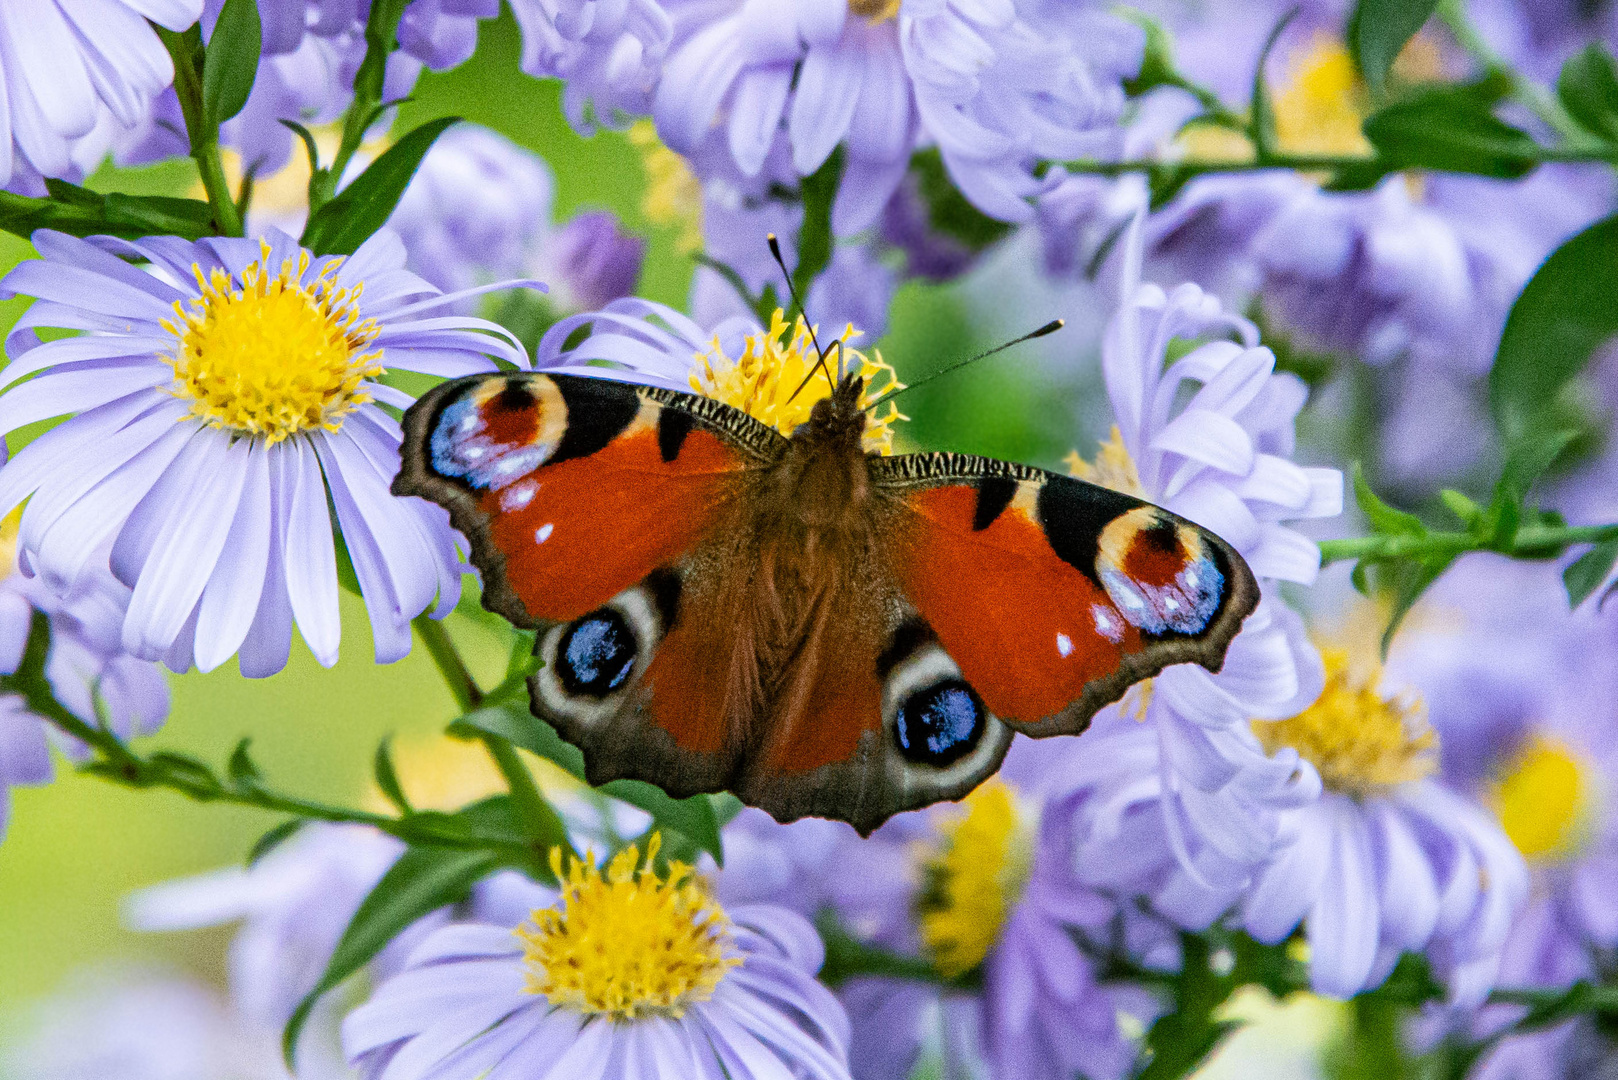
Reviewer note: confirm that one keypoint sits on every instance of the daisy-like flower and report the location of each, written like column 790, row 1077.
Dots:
column 1210, row 437
column 218, row 404
column 688, row 989
column 1389, row 859
column 67, row 67
column 738, row 362
column 997, row 86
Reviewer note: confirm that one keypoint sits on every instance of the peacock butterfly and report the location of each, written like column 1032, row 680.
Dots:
column 821, row 630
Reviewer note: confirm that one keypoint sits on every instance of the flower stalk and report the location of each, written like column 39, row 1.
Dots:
column 185, row 49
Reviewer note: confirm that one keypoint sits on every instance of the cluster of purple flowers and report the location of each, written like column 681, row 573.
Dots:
column 203, row 433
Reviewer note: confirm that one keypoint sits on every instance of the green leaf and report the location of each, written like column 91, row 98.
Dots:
column 815, row 240
column 949, row 213
column 80, row 212
column 242, row 771
column 1588, row 571
column 1588, row 87
column 274, row 839
column 1378, row 30
column 1451, row 128
column 1408, row 581
column 1469, row 512
column 1260, row 111
column 692, row 817
column 349, row 219
column 1563, row 315
column 387, row 778
column 423, row 880
column 1383, row 518
column 231, row 61
column 1157, row 62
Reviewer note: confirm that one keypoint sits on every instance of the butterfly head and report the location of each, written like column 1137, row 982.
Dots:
column 838, row 418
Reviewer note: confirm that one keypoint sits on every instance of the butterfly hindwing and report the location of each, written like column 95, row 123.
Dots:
column 1055, row 595
column 586, row 502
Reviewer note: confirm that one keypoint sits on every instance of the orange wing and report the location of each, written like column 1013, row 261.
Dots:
column 1054, row 595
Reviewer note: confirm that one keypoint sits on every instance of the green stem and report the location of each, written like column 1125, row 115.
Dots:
column 536, row 812
column 1530, row 541
column 1542, row 104
column 381, row 38
column 184, row 49
column 1158, row 171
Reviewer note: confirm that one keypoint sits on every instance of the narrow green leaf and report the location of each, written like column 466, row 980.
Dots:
column 1451, row 128
column 1378, row 30
column 349, row 219
column 240, row 768
column 815, row 240
column 1157, row 62
column 310, row 149
column 274, row 839
column 387, row 779
column 1261, row 113
column 1588, row 571
column 1469, row 512
column 950, row 213
column 514, row 723
column 1409, row 580
column 423, row 880
column 1384, row 519
column 1563, row 315
column 692, row 817
column 1588, row 87
column 230, row 63
column 81, row 212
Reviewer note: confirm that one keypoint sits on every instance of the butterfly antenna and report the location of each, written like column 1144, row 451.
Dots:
column 820, row 354
column 1049, row 328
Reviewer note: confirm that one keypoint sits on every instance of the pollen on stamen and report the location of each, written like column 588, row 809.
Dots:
column 762, row 381
column 628, row 942
column 1545, row 799
column 273, row 355
column 974, row 875
column 1360, row 740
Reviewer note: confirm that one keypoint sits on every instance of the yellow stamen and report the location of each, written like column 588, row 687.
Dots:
column 1322, row 103
column 673, row 193
column 1358, row 740
column 10, row 527
column 1112, row 468
column 874, row 11
column 273, row 356
column 627, row 944
column 974, row 875
column 773, row 364
column 1545, row 801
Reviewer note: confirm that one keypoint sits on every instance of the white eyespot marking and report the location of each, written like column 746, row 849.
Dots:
column 1064, row 644
column 472, row 453
column 543, row 533
column 1106, row 625
column 518, row 496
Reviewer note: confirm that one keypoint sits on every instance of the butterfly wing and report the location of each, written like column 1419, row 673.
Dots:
column 1054, row 595
column 591, row 506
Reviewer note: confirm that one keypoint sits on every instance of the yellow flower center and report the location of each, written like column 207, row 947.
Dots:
column 1322, row 104
column 627, row 944
column 1358, row 740
column 1544, row 799
column 773, row 365
column 973, row 876
column 10, row 527
column 1112, row 467
column 874, row 11
column 273, row 356
column 673, row 197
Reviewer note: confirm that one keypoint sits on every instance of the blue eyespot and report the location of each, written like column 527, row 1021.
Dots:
column 596, row 654
column 940, row 724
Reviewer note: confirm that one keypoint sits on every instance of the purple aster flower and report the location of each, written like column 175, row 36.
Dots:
column 997, row 86
column 69, row 67
column 608, row 53
column 1210, row 436
column 208, row 482
column 1390, row 859
column 594, row 261
column 145, row 1024
column 690, row 989
column 25, row 756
